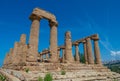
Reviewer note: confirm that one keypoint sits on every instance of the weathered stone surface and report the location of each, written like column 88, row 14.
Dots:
column 33, row 40
column 6, row 60
column 68, row 48
column 76, row 72
column 89, row 51
column 53, row 42
column 44, row 14
column 85, row 52
column 63, row 55
column 97, row 52
column 23, row 39
column 77, row 55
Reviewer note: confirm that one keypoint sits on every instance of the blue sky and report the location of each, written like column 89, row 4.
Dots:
column 81, row 17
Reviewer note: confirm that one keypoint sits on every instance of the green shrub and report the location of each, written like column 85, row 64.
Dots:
column 2, row 78
column 40, row 79
column 48, row 77
column 63, row 72
column 115, row 80
column 27, row 70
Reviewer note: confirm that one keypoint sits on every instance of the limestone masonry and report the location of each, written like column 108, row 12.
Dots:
column 24, row 56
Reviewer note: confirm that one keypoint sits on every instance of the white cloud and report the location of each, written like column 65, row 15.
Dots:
column 115, row 53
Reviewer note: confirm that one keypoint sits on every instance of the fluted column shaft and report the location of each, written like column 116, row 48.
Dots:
column 77, row 56
column 85, row 52
column 34, row 38
column 89, row 51
column 53, row 42
column 97, row 52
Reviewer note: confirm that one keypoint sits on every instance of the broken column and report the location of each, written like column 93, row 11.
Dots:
column 53, row 41
column 68, row 48
column 34, row 38
column 89, row 51
column 23, row 39
column 5, row 59
column 15, row 53
column 24, row 49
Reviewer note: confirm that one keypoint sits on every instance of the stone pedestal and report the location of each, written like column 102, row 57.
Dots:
column 97, row 52
column 68, row 48
column 53, row 42
column 33, row 40
column 89, row 51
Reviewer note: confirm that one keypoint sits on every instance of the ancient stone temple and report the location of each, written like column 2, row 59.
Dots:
column 26, row 56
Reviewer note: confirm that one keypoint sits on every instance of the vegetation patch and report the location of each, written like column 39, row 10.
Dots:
column 40, row 79
column 48, row 77
column 2, row 78
column 27, row 70
column 114, row 67
column 63, row 72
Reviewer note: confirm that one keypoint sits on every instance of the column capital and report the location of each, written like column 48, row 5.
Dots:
column 58, row 49
column 53, row 23
column 95, row 37
column 88, row 38
column 84, row 41
column 76, row 44
column 35, row 17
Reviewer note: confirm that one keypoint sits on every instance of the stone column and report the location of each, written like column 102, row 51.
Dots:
column 97, row 52
column 58, row 53
column 15, row 53
column 11, row 56
column 41, row 58
column 85, row 52
column 6, row 60
column 77, row 55
column 68, row 48
column 63, row 55
column 89, row 51
column 47, row 56
column 33, row 40
column 23, row 49
column 53, row 42
column 23, row 39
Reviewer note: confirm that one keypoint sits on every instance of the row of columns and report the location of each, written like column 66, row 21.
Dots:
column 67, row 50
column 88, row 51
